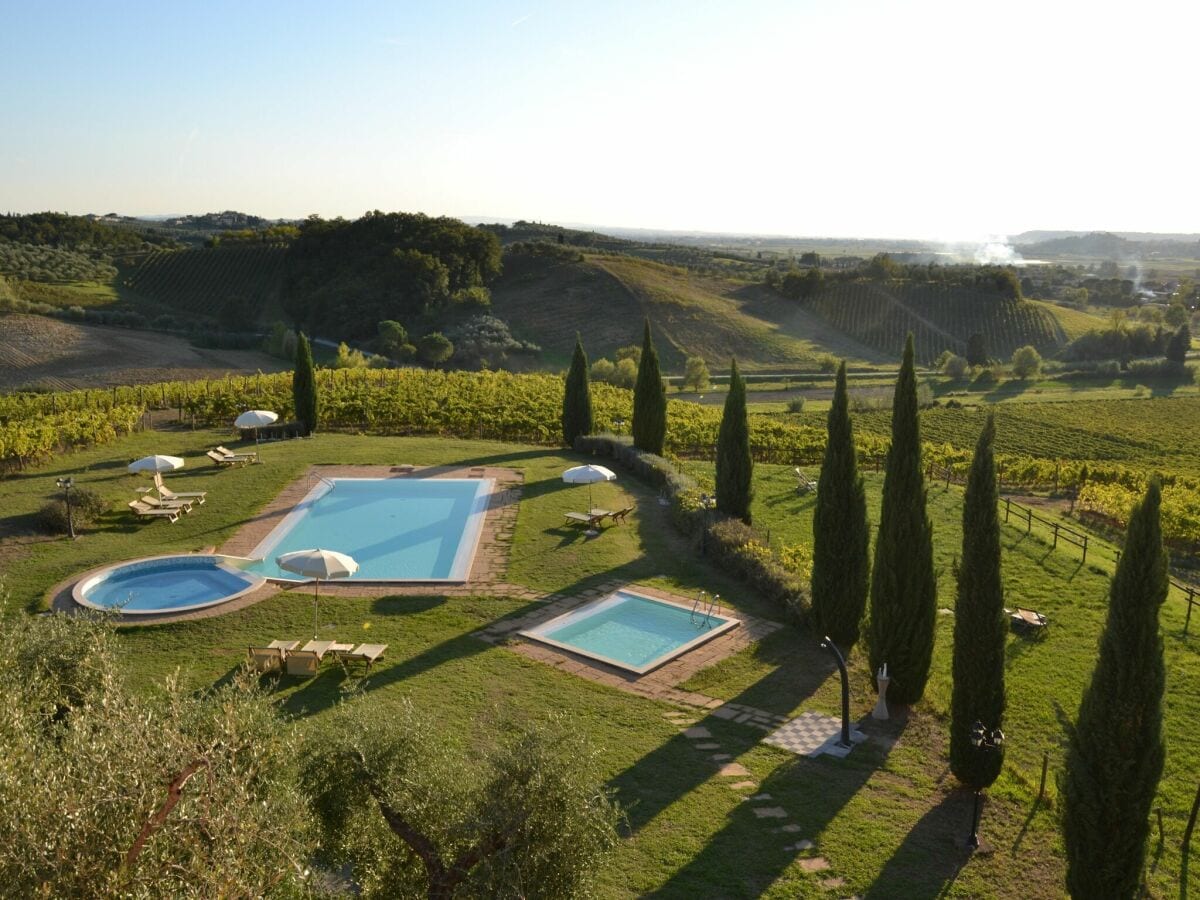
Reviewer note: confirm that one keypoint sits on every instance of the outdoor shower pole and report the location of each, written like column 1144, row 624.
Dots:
column 828, row 644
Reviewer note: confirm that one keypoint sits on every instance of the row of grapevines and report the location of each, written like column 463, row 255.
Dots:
column 31, row 440
column 1115, row 502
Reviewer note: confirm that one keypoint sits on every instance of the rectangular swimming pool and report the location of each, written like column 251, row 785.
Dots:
column 630, row 630
column 397, row 529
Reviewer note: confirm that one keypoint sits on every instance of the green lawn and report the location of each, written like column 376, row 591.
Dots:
column 886, row 818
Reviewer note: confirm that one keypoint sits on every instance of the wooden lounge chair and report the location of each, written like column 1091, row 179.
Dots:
column 804, row 484
column 184, row 506
column 303, row 663
column 146, row 511
column 166, row 493
column 591, row 521
column 1028, row 621
column 225, row 460
column 620, row 514
column 364, row 653
column 250, row 455
column 266, row 659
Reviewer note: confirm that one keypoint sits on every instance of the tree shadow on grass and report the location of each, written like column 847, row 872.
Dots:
column 932, row 855
column 812, row 792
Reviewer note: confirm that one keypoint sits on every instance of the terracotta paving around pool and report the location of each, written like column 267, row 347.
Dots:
column 659, row 684
column 488, row 569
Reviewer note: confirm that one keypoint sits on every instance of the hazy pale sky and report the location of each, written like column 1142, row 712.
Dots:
column 841, row 117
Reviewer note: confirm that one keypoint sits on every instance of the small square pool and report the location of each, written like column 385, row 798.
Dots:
column 630, row 630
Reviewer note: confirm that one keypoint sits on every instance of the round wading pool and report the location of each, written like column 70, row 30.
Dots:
column 164, row 584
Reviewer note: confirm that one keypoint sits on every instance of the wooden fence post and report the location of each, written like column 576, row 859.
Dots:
column 1006, row 506
column 1045, row 766
column 1054, row 545
column 1085, row 543
column 1187, row 620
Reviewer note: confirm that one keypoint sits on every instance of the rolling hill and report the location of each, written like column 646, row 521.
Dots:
column 605, row 298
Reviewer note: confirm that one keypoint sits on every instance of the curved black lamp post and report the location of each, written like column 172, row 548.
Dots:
column 985, row 740
column 66, row 484
column 828, row 644
column 618, row 424
column 709, row 503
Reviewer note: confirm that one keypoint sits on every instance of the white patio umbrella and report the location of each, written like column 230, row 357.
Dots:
column 256, row 419
column 588, row 475
column 317, row 564
column 156, row 464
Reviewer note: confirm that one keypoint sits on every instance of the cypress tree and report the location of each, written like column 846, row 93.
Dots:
column 734, row 465
column 841, row 535
column 1115, row 751
column 649, row 401
column 304, row 385
column 577, row 400
column 980, row 626
column 903, row 599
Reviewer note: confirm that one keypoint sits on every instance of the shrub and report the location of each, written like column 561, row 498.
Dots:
column 795, row 405
column 603, row 370
column 86, row 507
column 985, row 377
column 955, row 366
column 1026, row 362
column 828, row 363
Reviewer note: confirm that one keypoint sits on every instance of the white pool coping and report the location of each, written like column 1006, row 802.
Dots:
column 538, row 633
column 464, row 556
column 225, row 563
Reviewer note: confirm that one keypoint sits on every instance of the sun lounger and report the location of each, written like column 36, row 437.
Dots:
column 804, row 484
column 1028, row 621
column 250, row 454
column 302, row 662
column 150, row 512
column 184, row 506
column 591, row 521
column 620, row 514
column 167, row 494
column 266, row 659
column 226, row 460
column 364, row 653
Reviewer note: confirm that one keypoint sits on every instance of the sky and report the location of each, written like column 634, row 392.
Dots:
column 919, row 119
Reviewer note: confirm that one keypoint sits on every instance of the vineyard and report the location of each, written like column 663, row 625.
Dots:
column 204, row 281
column 940, row 317
column 526, row 408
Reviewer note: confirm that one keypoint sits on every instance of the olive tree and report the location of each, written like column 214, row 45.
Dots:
column 125, row 794
column 523, row 814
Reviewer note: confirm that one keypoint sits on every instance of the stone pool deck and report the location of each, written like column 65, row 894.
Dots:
column 488, row 569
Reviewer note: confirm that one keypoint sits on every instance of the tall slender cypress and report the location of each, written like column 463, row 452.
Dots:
column 304, row 385
column 980, row 626
column 735, row 468
column 577, row 399
column 903, row 600
column 649, row 401
column 841, row 536
column 1115, row 751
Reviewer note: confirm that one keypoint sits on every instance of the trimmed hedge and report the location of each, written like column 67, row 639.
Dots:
column 733, row 546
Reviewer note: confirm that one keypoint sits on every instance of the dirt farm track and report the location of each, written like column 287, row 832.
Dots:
column 36, row 351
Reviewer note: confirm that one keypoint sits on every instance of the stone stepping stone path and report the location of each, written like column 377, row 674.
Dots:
column 770, row 812
column 811, row 734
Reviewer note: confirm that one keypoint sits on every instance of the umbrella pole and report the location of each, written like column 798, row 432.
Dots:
column 316, row 596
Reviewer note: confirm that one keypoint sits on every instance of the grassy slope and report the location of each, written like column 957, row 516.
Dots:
column 1073, row 322
column 606, row 297
column 885, row 818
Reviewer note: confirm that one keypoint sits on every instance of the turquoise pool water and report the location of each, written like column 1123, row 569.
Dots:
column 397, row 529
column 630, row 630
column 172, row 584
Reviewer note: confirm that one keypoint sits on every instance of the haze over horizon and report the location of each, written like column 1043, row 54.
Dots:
column 939, row 121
